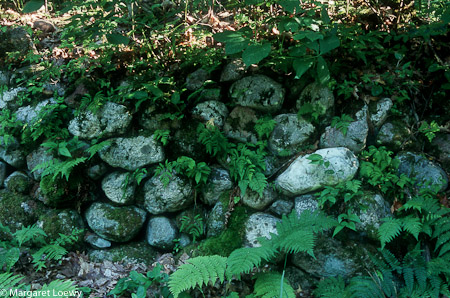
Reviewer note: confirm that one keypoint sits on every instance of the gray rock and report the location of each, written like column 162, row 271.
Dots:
column 152, row 120
column 370, row 208
column 424, row 172
column 30, row 114
column 306, row 202
column 132, row 153
column 177, row 195
column 240, row 124
column 218, row 182
column 37, row 157
column 334, row 258
column 394, row 135
column 290, row 134
column 4, row 78
column 354, row 139
column 111, row 119
column 320, row 97
column 119, row 187
column 281, row 207
column 211, row 111
column 195, row 80
column 441, row 144
column 2, row 172
column 298, row 279
column 259, row 225
column 119, row 224
column 213, row 94
column 258, row 92
column 97, row 242
column 303, row 176
column 161, row 232
column 97, row 171
column 18, row 182
column 129, row 253
column 8, row 98
column 216, row 220
column 233, row 71
column 184, row 240
column 11, row 153
column 185, row 142
column 379, row 111
column 44, row 26
column 253, row 200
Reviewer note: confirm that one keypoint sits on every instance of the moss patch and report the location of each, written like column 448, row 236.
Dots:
column 56, row 222
column 57, row 192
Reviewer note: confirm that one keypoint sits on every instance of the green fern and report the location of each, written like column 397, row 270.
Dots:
column 196, row 272
column 63, row 168
column 61, row 288
column 9, row 281
column 215, row 142
column 267, row 285
column 390, row 229
column 243, row 260
column 331, row 288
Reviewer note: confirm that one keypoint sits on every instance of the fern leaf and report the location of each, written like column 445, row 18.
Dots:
column 444, row 249
column 364, row 287
column 412, row 225
column 390, row 229
column 268, row 285
column 9, row 257
column 26, row 234
column 331, row 287
column 10, row 281
column 297, row 241
column 196, row 272
column 408, row 276
column 49, row 252
column 442, row 239
column 243, row 260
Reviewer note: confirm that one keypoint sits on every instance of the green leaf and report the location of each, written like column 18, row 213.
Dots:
column 322, row 71
column 311, row 35
column 228, row 36
column 324, row 15
column 290, row 6
column 235, row 47
column 301, row 66
column 32, row 5
column 64, row 151
column 255, row 53
column 117, row 39
column 329, row 43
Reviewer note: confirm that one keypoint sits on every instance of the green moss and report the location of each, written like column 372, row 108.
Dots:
column 19, row 184
column 127, row 222
column 136, row 252
column 230, row 239
column 18, row 210
column 56, row 222
column 57, row 192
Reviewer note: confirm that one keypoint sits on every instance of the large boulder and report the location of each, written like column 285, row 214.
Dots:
column 211, row 111
column 119, row 187
column 306, row 202
column 111, row 119
column 55, row 222
column 424, row 172
column 132, row 153
column 195, row 80
column 240, row 124
column 15, row 40
column 18, row 182
column 354, row 138
column 119, row 224
column 394, row 135
column 219, row 181
column 259, row 225
column 258, row 92
column 304, row 175
column 36, row 158
column 333, row 258
column 160, row 198
column 161, row 232
column 30, row 114
column 320, row 98
column 290, row 134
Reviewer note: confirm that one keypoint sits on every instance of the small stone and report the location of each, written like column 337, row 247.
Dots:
column 97, row 242
column 211, row 111
column 281, row 207
column 119, row 187
column 259, row 225
column 195, row 80
column 306, row 202
column 161, row 232
column 233, row 71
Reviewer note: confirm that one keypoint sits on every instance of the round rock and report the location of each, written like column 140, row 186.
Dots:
column 119, row 224
column 259, row 225
column 161, row 232
column 132, row 153
column 119, row 187
column 218, row 182
column 212, row 110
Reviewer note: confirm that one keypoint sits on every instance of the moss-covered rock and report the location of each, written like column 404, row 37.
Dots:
column 119, row 224
column 131, row 253
column 18, row 182
column 17, row 211
column 55, row 222
column 57, row 192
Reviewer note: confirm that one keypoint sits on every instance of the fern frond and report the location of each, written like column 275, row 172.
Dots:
column 412, row 225
column 268, row 285
column 364, row 287
column 243, row 260
column 196, row 272
column 331, row 287
column 26, row 234
column 390, row 229
column 297, row 241
column 49, row 252
column 10, row 281
column 9, row 257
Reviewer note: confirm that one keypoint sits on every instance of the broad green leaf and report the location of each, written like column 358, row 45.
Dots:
column 64, row 152
column 117, row 39
column 301, row 66
column 311, row 35
column 324, row 15
column 297, row 51
column 290, row 24
column 32, row 5
column 235, row 47
column 290, row 6
column 323, row 73
column 255, row 53
column 228, row 36
column 329, row 43
column 139, row 95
